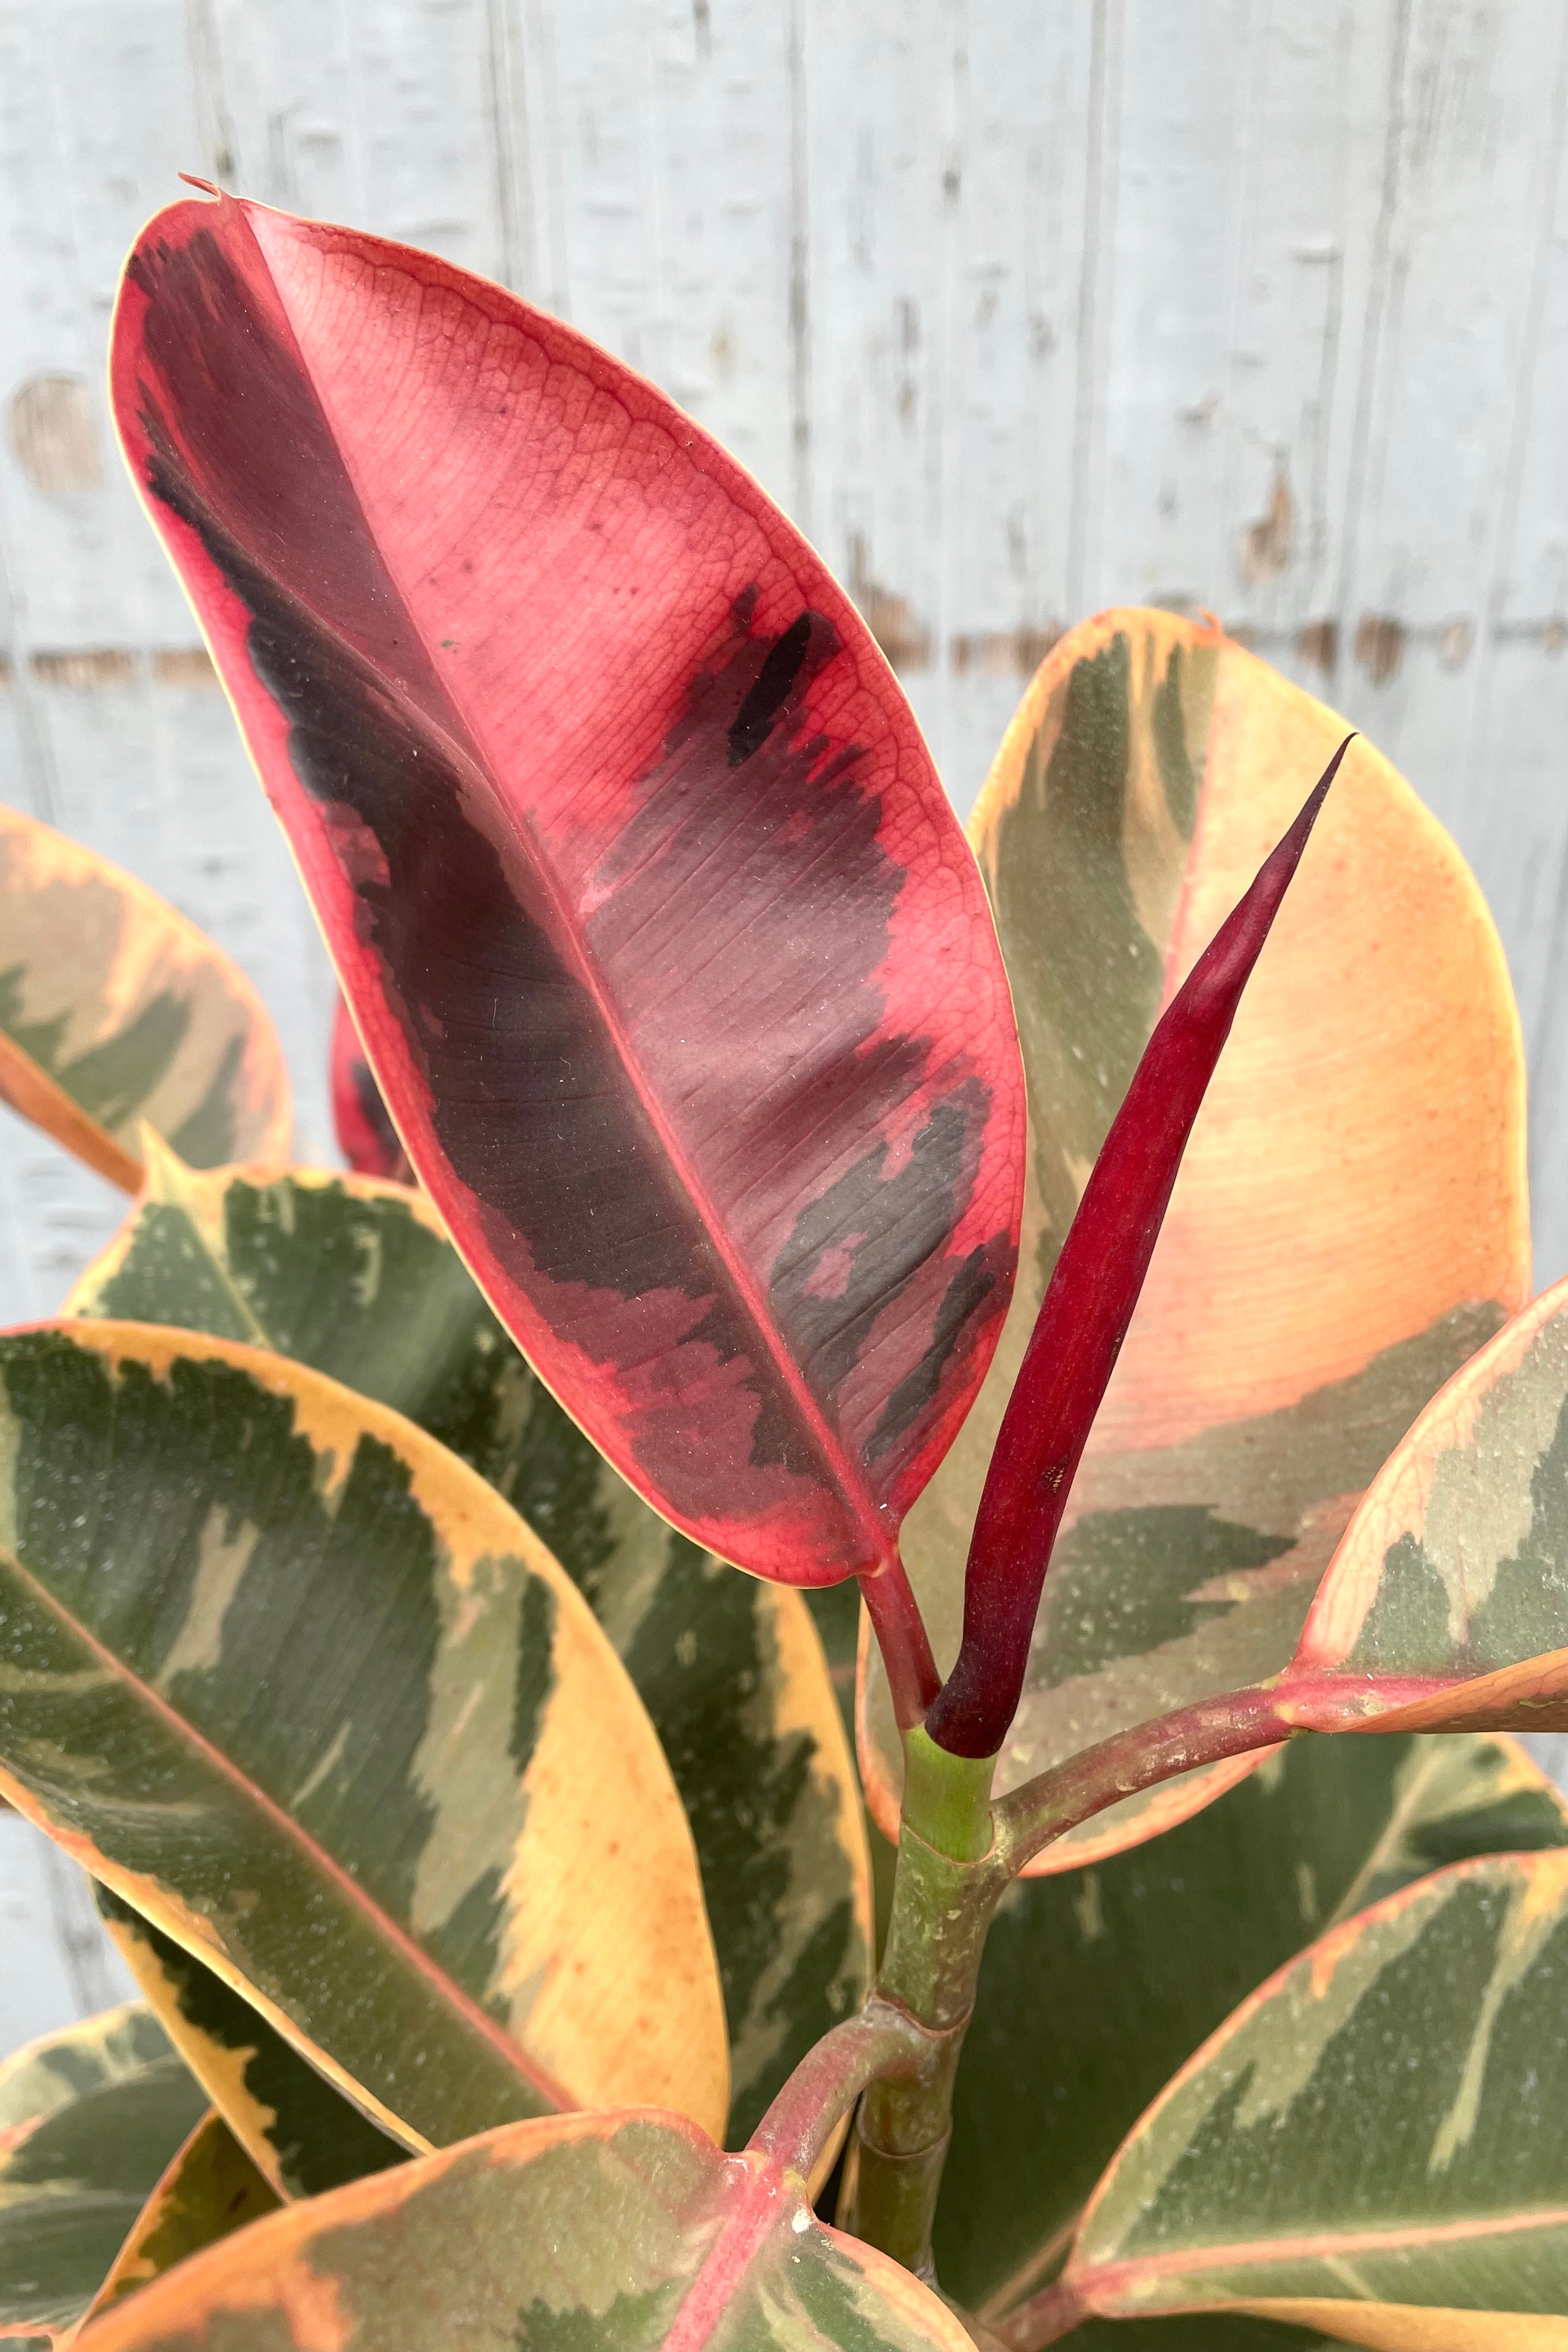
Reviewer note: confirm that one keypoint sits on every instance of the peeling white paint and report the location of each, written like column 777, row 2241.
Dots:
column 1022, row 310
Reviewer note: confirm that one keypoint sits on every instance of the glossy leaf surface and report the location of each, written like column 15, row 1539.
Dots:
column 359, row 1281
column 366, row 1137
column 1452, row 1580
column 604, row 2233
column 1382, row 2124
column 292, row 1681
column 210, row 2190
column 88, row 2120
column 302, row 2135
column 1099, row 1984
column 665, row 949
column 1332, row 1253
column 1188, row 2332
column 1093, row 1295
column 114, row 1009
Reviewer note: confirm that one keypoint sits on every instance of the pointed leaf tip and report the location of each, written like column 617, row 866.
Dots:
column 1084, row 1317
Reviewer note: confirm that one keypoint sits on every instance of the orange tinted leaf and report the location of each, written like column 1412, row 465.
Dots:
column 114, row 1009
column 1331, row 1253
column 620, row 2232
column 1446, row 1603
column 299, row 1687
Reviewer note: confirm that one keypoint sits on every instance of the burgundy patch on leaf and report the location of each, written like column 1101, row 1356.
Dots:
column 671, row 959
column 366, row 1137
column 1086, row 1311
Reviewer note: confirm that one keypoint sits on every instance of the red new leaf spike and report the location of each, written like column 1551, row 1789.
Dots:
column 1086, row 1308
column 671, row 959
column 366, row 1137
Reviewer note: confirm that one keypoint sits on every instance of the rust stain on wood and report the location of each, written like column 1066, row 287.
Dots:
column 903, row 638
column 1005, row 653
column 89, row 669
column 94, row 669
column 54, row 435
column 1380, row 646
column 1319, row 643
column 1267, row 544
column 188, row 666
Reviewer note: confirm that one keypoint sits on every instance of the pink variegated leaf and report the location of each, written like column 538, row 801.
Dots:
column 670, row 958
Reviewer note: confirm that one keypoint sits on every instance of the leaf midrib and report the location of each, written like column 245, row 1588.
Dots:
column 386, row 1926
column 843, row 1472
column 1032, row 2273
column 1103, row 2279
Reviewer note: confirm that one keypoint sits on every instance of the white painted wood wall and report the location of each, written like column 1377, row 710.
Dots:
column 1022, row 306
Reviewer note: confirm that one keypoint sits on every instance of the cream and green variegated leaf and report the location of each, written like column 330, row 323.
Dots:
column 114, row 1009
column 90, row 2118
column 303, row 1690
column 356, row 1278
column 577, row 2233
column 1448, row 1601
column 1374, row 2145
column 1194, row 2331
column 210, row 2191
column 302, row 2134
column 1333, row 1252
column 1097, row 1985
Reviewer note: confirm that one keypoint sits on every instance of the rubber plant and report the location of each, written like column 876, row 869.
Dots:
column 1102, row 1242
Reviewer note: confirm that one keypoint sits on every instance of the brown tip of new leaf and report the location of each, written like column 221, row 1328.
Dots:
column 206, row 186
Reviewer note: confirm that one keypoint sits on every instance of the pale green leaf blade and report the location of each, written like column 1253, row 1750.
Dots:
column 210, row 2190
column 1382, row 2130
column 297, row 1686
column 1191, row 2332
column 1332, row 1253
column 114, row 1009
column 579, row 2233
column 1448, row 1601
column 1099, row 1984
column 357, row 1279
column 90, row 2118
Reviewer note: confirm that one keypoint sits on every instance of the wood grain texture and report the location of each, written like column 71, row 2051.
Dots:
column 1018, row 310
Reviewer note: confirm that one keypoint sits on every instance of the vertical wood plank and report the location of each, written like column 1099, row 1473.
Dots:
column 673, row 132
column 949, row 168
column 1021, row 310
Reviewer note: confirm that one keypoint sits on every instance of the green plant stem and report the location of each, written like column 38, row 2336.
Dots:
column 947, row 1798
column 957, row 1854
column 1046, row 1806
column 801, row 2121
column 942, row 1904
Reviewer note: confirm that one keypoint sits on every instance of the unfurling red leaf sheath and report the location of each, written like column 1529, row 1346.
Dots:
column 1084, row 1315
